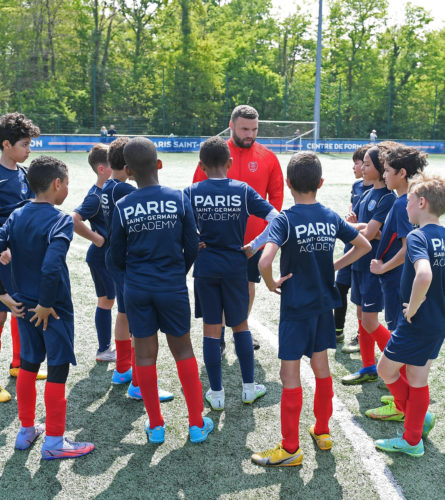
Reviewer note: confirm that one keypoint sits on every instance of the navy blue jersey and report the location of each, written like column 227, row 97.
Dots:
column 112, row 191
column 307, row 235
column 373, row 205
column 14, row 190
column 154, row 238
column 91, row 210
column 427, row 243
column 221, row 208
column 358, row 188
column 396, row 227
column 39, row 236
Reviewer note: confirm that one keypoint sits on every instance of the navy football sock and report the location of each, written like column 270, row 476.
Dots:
column 103, row 328
column 244, row 351
column 212, row 360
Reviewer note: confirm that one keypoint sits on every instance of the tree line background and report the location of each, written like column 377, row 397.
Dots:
column 180, row 66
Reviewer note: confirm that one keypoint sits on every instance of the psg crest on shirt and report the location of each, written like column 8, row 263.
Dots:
column 371, row 205
column 252, row 166
column 24, row 188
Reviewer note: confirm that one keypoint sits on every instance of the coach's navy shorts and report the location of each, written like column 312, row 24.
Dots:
column 306, row 336
column 253, row 273
column 118, row 279
column 366, row 291
column 216, row 295
column 5, row 276
column 390, row 284
column 150, row 311
column 102, row 280
column 56, row 342
column 344, row 276
column 412, row 345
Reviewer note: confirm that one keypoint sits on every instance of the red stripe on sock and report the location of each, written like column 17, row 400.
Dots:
column 323, row 404
column 192, row 387
column 291, row 404
column 148, row 383
column 26, row 397
column 367, row 347
column 381, row 335
column 55, row 404
column 15, row 342
column 400, row 390
column 123, row 355
column 416, row 408
column 133, row 366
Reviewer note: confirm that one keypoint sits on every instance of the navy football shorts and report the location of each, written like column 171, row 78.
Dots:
column 344, row 276
column 56, row 343
column 5, row 276
column 366, row 291
column 390, row 284
column 298, row 337
column 412, row 345
column 102, row 280
column 118, row 279
column 253, row 273
column 215, row 295
column 150, row 311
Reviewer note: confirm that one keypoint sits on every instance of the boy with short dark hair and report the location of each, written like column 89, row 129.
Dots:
column 154, row 242
column 222, row 207
column 421, row 331
column 343, row 278
column 306, row 234
column 16, row 132
column 369, row 216
column 39, row 236
column 90, row 210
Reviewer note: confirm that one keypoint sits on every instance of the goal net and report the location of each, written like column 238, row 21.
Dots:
column 291, row 136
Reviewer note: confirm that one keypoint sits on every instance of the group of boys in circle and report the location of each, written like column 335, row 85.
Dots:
column 146, row 239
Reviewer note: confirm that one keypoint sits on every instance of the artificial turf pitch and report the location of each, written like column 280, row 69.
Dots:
column 125, row 466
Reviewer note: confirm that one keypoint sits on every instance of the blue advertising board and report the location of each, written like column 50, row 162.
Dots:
column 71, row 143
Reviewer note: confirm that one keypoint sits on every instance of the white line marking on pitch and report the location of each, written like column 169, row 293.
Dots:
column 380, row 474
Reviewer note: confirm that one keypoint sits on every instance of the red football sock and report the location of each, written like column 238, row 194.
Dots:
column 367, row 346
column 148, row 383
column 26, row 397
column 133, row 366
column 323, row 404
column 416, row 408
column 381, row 335
column 291, row 404
column 400, row 390
column 15, row 342
column 123, row 355
column 55, row 404
column 192, row 387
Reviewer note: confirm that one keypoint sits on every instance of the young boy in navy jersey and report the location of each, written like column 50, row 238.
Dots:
column 222, row 207
column 369, row 216
column 306, row 234
column 401, row 164
column 154, row 242
column 16, row 132
column 39, row 236
column 90, row 210
column 343, row 278
column 113, row 190
column 420, row 332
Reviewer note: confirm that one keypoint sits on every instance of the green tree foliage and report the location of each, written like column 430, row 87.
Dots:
column 180, row 66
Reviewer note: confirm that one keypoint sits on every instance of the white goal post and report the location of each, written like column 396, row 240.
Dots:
column 293, row 136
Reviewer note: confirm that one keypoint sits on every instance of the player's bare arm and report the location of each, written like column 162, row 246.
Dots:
column 265, row 267
column 421, row 284
column 42, row 314
column 361, row 246
column 83, row 230
column 380, row 267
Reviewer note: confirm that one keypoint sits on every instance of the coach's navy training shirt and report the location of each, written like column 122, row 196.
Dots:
column 396, row 227
column 221, row 208
column 91, row 210
column 154, row 238
column 14, row 190
column 306, row 235
column 373, row 205
column 427, row 243
column 112, row 191
column 39, row 236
